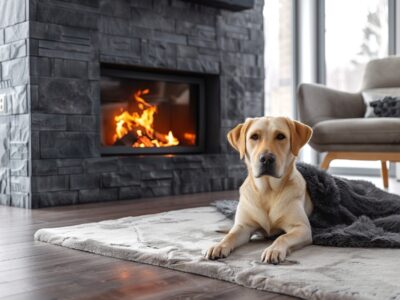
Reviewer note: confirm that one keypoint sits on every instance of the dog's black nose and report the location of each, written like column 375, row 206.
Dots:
column 267, row 158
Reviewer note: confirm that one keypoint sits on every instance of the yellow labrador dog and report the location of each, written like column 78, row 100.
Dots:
column 273, row 198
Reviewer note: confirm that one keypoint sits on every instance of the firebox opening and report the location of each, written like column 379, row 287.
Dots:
column 151, row 113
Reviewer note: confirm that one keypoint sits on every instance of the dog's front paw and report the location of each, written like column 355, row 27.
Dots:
column 218, row 251
column 274, row 255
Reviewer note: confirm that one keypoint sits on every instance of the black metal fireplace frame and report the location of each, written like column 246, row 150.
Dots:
column 154, row 75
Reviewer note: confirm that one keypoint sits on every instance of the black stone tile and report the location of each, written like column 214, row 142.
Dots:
column 48, row 122
column 68, row 68
column 64, row 96
column 121, row 179
column 97, row 195
column 58, row 15
column 85, row 181
column 55, row 144
column 82, row 123
column 44, row 167
column 54, row 198
column 101, row 165
column 130, row 192
column 49, row 183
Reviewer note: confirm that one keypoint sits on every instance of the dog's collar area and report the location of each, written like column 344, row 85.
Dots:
column 268, row 172
column 267, row 175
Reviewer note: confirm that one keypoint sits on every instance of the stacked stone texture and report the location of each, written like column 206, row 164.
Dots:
column 15, row 116
column 50, row 62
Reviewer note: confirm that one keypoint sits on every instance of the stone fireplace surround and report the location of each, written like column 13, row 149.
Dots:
column 51, row 53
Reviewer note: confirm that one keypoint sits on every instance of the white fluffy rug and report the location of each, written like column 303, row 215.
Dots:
column 178, row 240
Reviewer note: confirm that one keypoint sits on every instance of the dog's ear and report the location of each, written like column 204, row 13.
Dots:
column 237, row 137
column 300, row 134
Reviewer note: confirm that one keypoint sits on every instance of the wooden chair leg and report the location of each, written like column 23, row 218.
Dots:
column 385, row 174
column 327, row 160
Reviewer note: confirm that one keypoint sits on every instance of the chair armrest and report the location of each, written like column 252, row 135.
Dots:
column 318, row 103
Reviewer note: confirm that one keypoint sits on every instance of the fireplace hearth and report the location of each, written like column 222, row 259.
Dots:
column 124, row 99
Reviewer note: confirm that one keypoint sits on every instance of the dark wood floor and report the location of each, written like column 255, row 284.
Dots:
column 34, row 270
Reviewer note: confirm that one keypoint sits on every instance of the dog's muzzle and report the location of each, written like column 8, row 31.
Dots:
column 267, row 165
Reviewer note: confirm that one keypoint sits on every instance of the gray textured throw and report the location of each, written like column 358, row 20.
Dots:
column 347, row 213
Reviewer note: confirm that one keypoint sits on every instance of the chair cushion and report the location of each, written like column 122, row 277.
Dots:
column 357, row 131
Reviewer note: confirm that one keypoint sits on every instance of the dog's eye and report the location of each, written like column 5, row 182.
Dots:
column 280, row 136
column 254, row 136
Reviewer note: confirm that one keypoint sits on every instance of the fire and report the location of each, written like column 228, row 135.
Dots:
column 140, row 125
column 190, row 138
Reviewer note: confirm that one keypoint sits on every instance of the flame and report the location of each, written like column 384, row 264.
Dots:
column 190, row 138
column 141, row 125
column 171, row 139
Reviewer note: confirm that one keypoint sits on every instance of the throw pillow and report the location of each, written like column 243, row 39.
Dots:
column 377, row 94
column 388, row 107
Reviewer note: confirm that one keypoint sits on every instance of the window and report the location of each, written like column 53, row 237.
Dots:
column 279, row 58
column 356, row 31
column 327, row 42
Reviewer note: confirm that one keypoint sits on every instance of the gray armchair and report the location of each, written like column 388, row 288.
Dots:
column 340, row 128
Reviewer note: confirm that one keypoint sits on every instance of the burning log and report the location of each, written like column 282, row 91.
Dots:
column 161, row 137
column 139, row 137
column 144, row 140
column 127, row 140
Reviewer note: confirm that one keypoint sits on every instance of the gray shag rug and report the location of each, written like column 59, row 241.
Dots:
column 178, row 240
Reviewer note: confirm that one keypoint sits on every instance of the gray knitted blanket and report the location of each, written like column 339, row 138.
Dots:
column 347, row 213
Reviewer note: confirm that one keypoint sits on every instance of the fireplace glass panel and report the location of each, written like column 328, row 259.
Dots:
column 142, row 115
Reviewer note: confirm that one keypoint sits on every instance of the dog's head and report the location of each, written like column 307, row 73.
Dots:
column 269, row 144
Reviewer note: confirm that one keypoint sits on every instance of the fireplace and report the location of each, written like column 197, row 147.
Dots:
column 151, row 113
column 194, row 71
